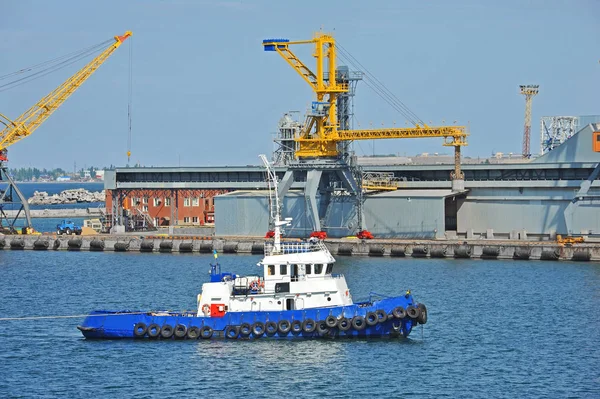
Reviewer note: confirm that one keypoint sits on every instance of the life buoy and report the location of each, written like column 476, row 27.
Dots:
column 206, row 309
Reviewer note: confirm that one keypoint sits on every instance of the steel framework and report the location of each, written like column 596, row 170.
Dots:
column 555, row 130
column 529, row 91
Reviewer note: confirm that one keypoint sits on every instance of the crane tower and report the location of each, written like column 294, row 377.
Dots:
column 529, row 91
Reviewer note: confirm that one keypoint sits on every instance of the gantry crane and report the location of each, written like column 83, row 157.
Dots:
column 318, row 149
column 321, row 133
column 30, row 120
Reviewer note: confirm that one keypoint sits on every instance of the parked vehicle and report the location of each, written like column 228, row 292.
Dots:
column 68, row 227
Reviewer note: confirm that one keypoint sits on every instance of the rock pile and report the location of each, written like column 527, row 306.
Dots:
column 66, row 197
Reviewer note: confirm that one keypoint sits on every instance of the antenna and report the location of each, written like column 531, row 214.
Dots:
column 275, row 209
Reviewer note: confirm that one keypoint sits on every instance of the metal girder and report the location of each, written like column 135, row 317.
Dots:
column 7, row 199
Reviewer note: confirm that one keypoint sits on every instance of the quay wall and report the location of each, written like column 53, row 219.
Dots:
column 59, row 213
column 474, row 249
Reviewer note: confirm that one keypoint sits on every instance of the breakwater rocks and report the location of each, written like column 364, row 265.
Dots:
column 72, row 196
column 519, row 250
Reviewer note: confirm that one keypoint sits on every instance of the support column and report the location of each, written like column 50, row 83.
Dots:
column 313, row 177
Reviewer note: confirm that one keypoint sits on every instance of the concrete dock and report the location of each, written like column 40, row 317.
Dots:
column 60, row 213
column 474, row 249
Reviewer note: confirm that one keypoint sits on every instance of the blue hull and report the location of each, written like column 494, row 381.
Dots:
column 258, row 324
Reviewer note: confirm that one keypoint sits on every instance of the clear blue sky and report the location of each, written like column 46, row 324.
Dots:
column 205, row 93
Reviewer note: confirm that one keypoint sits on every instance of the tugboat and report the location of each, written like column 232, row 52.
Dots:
column 297, row 296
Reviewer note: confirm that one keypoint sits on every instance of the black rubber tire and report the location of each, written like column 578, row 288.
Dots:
column 399, row 312
column 166, row 331
column 358, row 323
column 331, row 321
column 153, row 330
column 412, row 312
column 206, row 332
column 422, row 319
column 372, row 318
column 245, row 329
column 296, row 327
column 140, row 329
column 344, row 324
column 68, row 231
column 309, row 326
column 322, row 328
column 59, row 232
column 381, row 315
column 284, row 327
column 258, row 329
column 193, row 332
column 270, row 328
column 232, row 332
column 180, row 331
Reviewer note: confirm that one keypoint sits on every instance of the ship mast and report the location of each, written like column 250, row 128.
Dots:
column 275, row 207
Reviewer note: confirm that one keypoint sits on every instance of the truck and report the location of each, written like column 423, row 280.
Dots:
column 67, row 227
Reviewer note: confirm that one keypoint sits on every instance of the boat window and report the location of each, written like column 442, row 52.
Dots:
column 271, row 270
column 283, row 270
column 308, row 269
column 329, row 268
column 318, row 268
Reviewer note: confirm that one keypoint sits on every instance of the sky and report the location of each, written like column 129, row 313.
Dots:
column 206, row 94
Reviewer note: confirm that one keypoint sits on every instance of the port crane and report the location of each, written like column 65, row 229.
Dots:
column 320, row 142
column 23, row 126
column 321, row 133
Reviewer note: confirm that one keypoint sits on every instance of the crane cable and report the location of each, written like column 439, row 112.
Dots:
column 379, row 88
column 50, row 66
column 130, row 100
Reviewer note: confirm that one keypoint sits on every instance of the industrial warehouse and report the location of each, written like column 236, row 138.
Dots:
column 325, row 189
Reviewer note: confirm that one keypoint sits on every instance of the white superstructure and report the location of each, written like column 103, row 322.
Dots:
column 295, row 276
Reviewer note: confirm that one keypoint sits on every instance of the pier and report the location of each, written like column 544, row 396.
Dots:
column 458, row 249
column 60, row 213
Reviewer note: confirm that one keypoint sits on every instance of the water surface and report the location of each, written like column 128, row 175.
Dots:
column 496, row 329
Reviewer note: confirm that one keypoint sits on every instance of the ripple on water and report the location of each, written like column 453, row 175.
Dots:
column 496, row 329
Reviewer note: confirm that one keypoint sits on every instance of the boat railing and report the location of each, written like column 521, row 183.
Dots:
column 295, row 247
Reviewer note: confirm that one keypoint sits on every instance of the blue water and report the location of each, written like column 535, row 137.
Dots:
column 49, row 225
column 496, row 329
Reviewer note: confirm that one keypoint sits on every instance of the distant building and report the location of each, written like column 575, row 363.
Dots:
column 100, row 174
column 87, row 174
column 63, row 178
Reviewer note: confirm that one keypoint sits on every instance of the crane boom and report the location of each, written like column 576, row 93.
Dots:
column 320, row 134
column 31, row 119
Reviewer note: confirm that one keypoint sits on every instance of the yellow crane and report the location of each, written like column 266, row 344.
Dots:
column 321, row 133
column 30, row 120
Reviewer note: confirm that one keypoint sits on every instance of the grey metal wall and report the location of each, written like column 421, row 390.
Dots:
column 537, row 211
column 388, row 215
